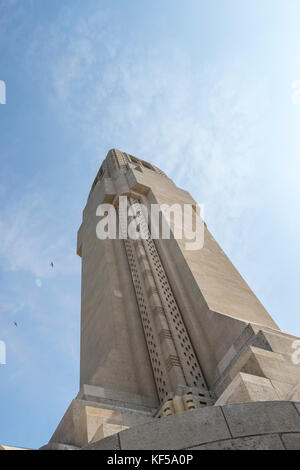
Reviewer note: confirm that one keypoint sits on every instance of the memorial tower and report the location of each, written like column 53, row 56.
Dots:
column 167, row 331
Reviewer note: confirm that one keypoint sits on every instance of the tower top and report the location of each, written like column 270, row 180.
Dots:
column 119, row 161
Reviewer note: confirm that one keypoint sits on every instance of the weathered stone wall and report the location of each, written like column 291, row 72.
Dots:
column 242, row 426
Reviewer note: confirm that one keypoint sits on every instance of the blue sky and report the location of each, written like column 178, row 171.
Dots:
column 203, row 89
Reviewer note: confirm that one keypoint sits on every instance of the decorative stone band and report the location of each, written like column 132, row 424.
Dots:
column 170, row 349
column 182, row 343
column 178, row 404
column 165, row 334
column 172, row 361
column 150, row 323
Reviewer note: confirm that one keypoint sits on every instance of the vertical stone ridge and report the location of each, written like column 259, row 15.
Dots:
column 180, row 363
column 150, row 323
column 187, row 357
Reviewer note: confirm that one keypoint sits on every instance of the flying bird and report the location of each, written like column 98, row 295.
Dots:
column 15, row 323
column 51, row 264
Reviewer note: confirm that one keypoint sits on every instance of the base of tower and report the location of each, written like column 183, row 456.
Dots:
column 96, row 413
column 268, row 425
column 271, row 425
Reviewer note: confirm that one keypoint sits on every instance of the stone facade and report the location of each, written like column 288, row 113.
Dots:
column 176, row 350
column 243, row 426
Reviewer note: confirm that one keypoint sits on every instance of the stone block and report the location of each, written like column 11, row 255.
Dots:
column 264, row 442
column 106, row 430
column 246, row 419
column 291, row 441
column 297, row 405
column 109, row 443
column 90, row 420
column 58, row 446
column 246, row 388
column 178, row 431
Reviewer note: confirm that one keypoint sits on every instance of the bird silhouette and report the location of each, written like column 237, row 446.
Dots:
column 51, row 264
column 15, row 323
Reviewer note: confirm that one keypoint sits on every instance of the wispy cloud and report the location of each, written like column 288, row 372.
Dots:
column 200, row 126
column 31, row 237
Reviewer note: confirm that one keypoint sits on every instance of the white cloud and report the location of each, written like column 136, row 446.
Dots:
column 31, row 238
column 199, row 125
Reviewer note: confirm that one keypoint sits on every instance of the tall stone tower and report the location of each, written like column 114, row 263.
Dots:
column 176, row 350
